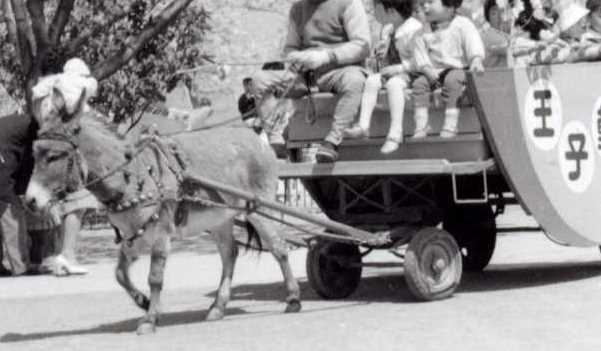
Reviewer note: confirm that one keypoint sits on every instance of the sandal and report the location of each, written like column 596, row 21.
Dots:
column 421, row 133
column 356, row 132
column 391, row 145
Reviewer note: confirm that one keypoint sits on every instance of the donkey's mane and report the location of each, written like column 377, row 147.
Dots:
column 95, row 124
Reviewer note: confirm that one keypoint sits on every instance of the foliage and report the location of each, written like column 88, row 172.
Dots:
column 133, row 46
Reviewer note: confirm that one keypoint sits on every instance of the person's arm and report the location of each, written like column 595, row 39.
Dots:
column 293, row 38
column 356, row 26
column 473, row 46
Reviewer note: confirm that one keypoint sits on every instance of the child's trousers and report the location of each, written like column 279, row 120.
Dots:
column 453, row 85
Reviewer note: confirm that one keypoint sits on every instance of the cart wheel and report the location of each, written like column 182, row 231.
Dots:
column 432, row 264
column 333, row 268
column 475, row 230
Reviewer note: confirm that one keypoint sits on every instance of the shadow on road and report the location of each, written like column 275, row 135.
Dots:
column 391, row 287
column 125, row 326
column 388, row 287
column 130, row 325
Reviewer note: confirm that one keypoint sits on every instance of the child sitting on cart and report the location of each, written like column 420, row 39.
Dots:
column 443, row 55
column 395, row 49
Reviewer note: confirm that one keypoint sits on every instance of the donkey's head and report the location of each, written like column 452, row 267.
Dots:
column 59, row 170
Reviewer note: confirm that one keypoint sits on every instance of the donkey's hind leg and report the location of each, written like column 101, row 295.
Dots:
column 122, row 275
column 158, row 259
column 228, row 250
column 277, row 245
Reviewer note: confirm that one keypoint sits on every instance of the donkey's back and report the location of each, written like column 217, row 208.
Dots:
column 233, row 155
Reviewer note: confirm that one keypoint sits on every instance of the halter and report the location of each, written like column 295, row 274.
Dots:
column 74, row 159
column 141, row 200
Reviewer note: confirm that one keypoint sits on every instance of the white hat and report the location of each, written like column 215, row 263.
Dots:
column 570, row 15
column 77, row 66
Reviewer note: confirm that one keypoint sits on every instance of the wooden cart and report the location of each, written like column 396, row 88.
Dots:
column 527, row 136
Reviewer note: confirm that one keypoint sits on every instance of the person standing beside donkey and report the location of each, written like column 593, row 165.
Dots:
column 17, row 132
column 328, row 39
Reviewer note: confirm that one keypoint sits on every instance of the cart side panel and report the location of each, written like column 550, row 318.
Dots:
column 541, row 123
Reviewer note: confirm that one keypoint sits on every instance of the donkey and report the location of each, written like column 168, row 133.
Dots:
column 138, row 183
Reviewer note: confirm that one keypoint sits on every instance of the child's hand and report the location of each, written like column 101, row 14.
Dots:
column 476, row 65
column 381, row 49
column 430, row 74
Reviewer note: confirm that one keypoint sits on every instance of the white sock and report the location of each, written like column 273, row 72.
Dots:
column 451, row 117
column 421, row 117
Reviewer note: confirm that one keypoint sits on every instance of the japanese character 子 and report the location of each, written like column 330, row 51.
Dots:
column 576, row 154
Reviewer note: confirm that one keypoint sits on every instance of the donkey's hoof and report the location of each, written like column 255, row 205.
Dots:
column 142, row 301
column 146, row 328
column 293, row 306
column 215, row 314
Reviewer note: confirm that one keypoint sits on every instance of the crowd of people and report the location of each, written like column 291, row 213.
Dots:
column 424, row 45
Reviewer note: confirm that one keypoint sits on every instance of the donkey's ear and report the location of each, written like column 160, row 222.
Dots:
column 58, row 99
column 67, row 116
column 80, row 102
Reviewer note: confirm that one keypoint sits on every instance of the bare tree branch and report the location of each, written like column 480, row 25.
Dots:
column 38, row 24
column 134, row 44
column 61, row 17
column 76, row 43
column 22, row 31
column 11, row 24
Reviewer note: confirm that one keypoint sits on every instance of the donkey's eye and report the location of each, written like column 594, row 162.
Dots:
column 56, row 157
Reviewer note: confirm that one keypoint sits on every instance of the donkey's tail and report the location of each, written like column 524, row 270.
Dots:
column 252, row 236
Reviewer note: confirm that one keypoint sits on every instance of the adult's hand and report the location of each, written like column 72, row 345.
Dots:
column 309, row 59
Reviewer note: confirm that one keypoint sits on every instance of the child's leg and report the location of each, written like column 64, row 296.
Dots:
column 452, row 89
column 421, row 103
column 373, row 84
column 396, row 100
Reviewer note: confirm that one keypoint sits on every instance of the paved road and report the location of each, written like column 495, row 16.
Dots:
column 534, row 296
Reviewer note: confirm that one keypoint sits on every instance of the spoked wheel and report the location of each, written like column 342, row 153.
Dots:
column 475, row 230
column 432, row 264
column 333, row 268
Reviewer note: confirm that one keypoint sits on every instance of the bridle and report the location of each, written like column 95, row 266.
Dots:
column 75, row 178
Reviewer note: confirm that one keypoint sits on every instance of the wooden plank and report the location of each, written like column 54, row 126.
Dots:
column 325, row 104
column 381, row 167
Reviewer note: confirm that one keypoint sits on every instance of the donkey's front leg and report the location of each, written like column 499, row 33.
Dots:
column 224, row 236
column 158, row 259
column 122, row 275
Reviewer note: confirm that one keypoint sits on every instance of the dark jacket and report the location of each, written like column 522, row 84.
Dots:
column 17, row 133
column 246, row 106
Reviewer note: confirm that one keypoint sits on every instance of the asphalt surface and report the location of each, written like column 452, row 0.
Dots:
column 535, row 295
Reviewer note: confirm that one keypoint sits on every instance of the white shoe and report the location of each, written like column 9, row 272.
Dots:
column 391, row 145
column 421, row 133
column 356, row 132
column 448, row 133
column 62, row 267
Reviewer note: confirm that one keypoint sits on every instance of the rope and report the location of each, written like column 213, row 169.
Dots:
column 225, row 63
